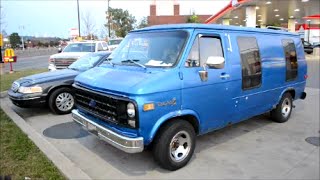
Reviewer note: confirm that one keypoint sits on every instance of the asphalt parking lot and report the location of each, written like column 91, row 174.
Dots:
column 254, row 149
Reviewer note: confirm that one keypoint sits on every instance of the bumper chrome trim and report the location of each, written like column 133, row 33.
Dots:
column 126, row 144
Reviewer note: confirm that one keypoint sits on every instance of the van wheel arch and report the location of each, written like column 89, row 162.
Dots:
column 291, row 91
column 189, row 118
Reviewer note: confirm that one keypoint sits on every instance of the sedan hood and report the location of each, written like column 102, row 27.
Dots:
column 129, row 80
column 48, row 76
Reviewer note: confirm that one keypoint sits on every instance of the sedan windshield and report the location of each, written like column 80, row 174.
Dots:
column 86, row 62
column 80, row 47
column 150, row 49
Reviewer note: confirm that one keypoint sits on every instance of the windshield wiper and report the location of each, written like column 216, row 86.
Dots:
column 134, row 61
column 109, row 61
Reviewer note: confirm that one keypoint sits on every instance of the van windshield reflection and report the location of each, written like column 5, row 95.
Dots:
column 150, row 49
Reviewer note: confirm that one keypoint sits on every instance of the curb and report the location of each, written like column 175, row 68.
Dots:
column 66, row 167
column 3, row 94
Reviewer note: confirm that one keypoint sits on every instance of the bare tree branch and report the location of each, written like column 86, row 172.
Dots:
column 88, row 24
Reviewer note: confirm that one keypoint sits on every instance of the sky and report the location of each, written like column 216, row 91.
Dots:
column 55, row 18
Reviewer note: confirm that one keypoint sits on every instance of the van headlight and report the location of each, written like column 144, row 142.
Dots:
column 131, row 110
column 30, row 90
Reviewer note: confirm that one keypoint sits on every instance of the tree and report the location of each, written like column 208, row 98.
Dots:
column 193, row 18
column 15, row 40
column 88, row 24
column 143, row 23
column 120, row 21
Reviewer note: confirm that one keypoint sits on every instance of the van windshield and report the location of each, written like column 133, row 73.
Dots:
column 150, row 49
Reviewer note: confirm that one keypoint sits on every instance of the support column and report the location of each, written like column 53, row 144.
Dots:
column 226, row 21
column 251, row 15
column 291, row 25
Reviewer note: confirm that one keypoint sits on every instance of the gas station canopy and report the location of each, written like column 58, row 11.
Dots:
column 268, row 13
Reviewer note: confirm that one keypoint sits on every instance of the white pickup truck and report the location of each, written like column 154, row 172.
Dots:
column 73, row 51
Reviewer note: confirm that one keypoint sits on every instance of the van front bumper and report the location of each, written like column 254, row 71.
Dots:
column 126, row 144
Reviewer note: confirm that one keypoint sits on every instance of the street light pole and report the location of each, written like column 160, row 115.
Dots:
column 22, row 27
column 78, row 18
column 108, row 19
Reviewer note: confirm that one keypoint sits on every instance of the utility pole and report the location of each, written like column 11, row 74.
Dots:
column 108, row 19
column 78, row 18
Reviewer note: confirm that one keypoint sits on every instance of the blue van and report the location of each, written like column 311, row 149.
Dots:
column 166, row 84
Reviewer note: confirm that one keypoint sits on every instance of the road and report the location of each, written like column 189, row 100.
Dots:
column 42, row 62
column 36, row 62
column 313, row 73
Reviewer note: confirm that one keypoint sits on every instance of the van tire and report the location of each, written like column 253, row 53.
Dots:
column 283, row 110
column 169, row 135
column 61, row 92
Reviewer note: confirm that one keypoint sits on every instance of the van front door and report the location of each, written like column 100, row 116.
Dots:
column 211, row 98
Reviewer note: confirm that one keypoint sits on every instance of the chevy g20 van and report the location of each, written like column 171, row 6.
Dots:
column 164, row 85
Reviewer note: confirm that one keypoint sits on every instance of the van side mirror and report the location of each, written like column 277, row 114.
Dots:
column 59, row 50
column 216, row 62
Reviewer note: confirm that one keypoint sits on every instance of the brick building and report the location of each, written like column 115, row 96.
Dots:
column 176, row 18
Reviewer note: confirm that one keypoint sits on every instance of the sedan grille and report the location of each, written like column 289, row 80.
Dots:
column 15, row 86
column 63, row 62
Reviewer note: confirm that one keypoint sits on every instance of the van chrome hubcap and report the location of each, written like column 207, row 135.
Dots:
column 286, row 107
column 180, row 146
column 64, row 101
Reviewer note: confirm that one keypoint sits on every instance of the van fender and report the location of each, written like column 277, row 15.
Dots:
column 282, row 93
column 169, row 116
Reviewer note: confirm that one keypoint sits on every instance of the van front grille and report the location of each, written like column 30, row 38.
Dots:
column 106, row 108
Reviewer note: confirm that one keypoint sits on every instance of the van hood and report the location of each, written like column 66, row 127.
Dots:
column 75, row 55
column 129, row 80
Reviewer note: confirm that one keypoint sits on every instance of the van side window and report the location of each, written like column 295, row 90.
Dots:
column 250, row 62
column 291, row 59
column 202, row 48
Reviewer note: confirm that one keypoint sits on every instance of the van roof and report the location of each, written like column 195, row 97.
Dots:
column 214, row 26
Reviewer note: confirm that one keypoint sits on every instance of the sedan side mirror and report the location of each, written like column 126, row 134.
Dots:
column 59, row 50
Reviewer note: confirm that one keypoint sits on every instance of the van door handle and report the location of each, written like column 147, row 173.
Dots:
column 224, row 76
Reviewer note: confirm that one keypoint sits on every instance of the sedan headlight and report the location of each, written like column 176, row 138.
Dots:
column 29, row 90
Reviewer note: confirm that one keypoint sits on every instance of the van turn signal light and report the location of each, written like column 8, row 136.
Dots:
column 148, row 107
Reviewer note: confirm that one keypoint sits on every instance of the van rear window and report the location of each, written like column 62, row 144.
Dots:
column 291, row 59
column 250, row 62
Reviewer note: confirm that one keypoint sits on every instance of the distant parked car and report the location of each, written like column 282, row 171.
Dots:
column 73, row 51
column 114, row 43
column 308, row 48
column 53, row 88
column 316, row 45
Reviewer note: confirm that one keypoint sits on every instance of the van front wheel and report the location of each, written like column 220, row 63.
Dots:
column 283, row 110
column 174, row 144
